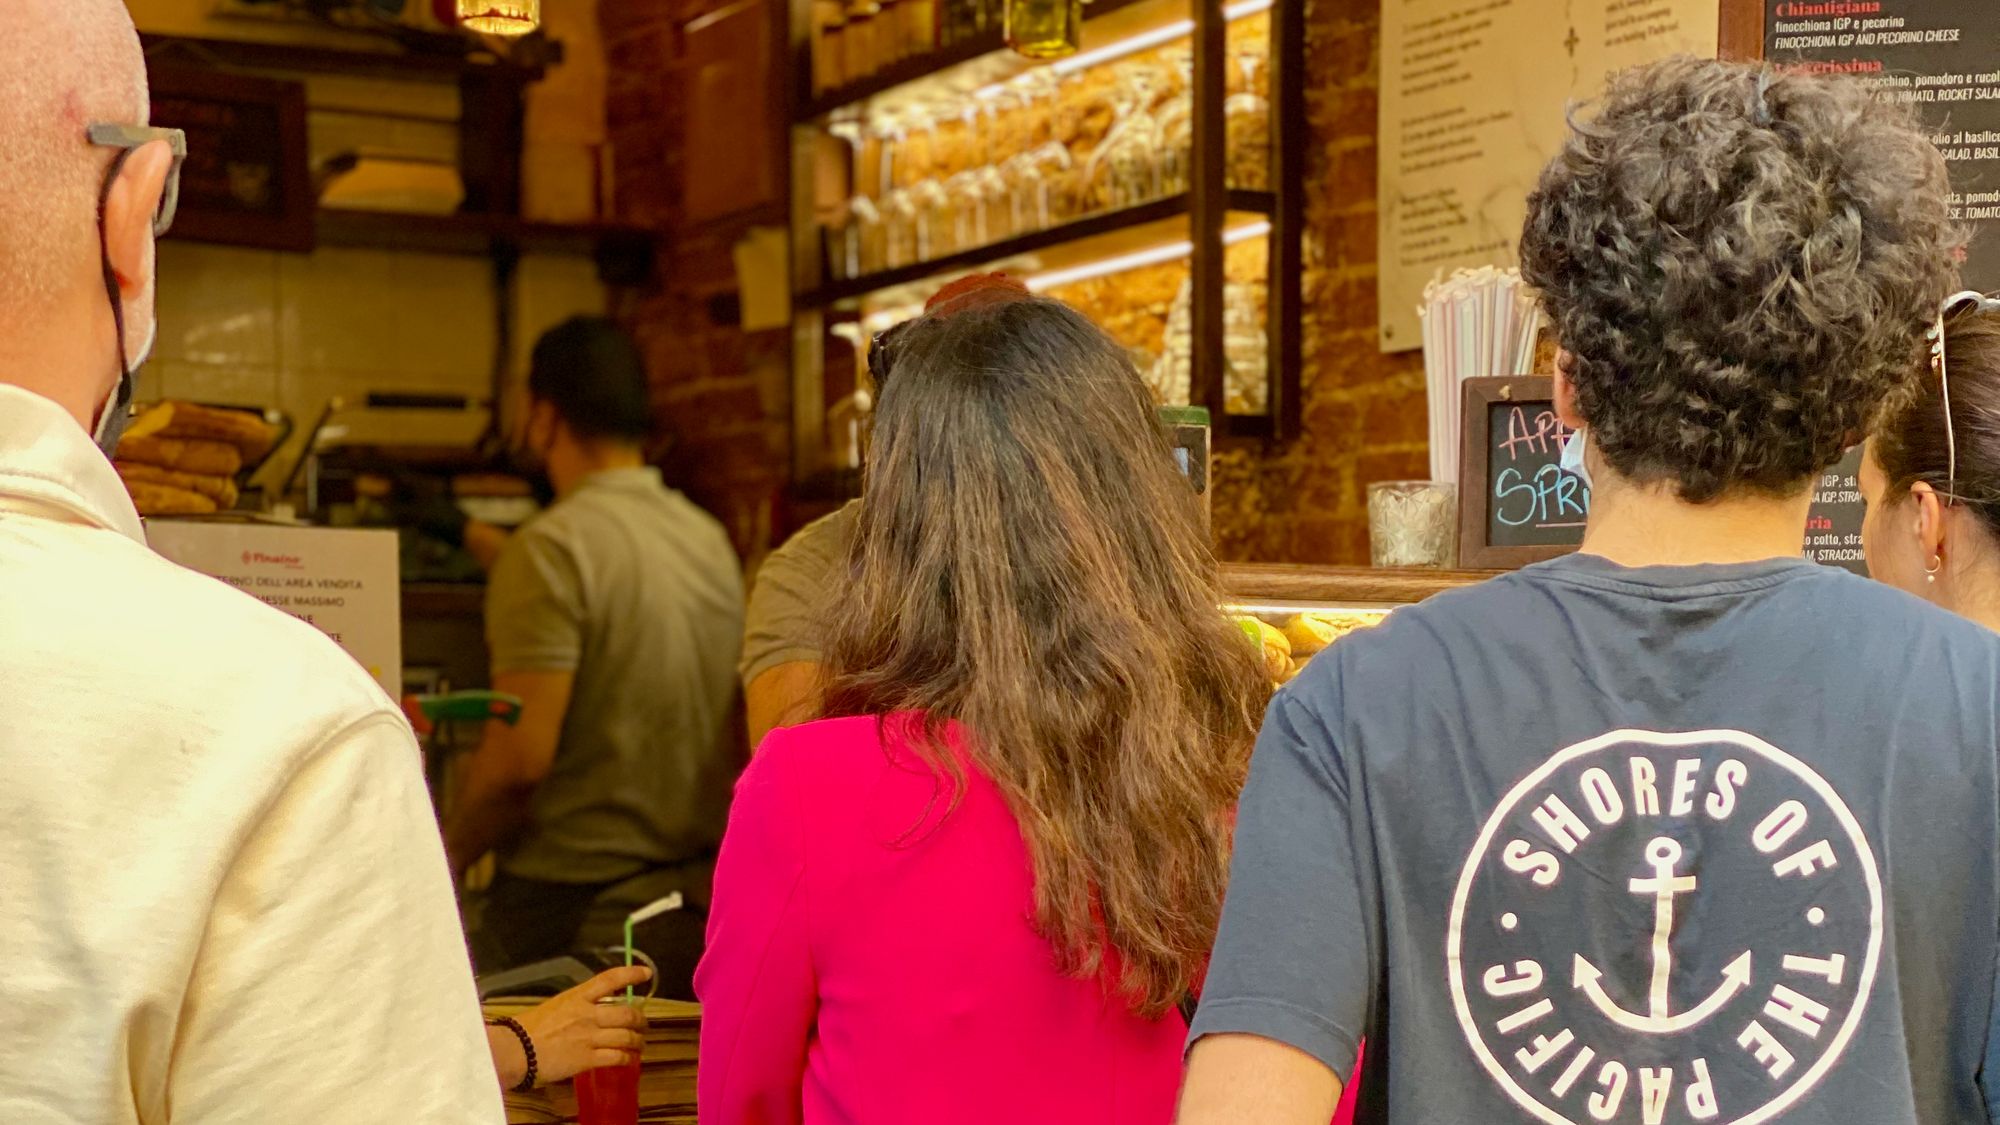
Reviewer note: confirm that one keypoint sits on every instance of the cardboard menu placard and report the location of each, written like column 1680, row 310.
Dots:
column 1938, row 55
column 344, row 582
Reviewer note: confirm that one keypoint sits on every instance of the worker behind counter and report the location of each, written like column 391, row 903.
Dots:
column 616, row 617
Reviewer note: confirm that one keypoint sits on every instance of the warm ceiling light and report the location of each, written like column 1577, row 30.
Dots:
column 500, row 17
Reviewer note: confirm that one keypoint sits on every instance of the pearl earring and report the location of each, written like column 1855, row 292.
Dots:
column 1931, row 571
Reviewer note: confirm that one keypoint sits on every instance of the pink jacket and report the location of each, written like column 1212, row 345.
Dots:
column 872, row 959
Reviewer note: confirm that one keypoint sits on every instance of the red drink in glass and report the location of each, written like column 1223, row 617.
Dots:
column 608, row 1095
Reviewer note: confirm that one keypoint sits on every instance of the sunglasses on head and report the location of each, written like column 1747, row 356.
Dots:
column 1955, row 306
column 882, row 352
column 129, row 139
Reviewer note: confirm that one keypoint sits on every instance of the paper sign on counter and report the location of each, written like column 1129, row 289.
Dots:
column 344, row 582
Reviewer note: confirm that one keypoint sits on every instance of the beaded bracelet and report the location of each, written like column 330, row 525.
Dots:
column 527, row 1082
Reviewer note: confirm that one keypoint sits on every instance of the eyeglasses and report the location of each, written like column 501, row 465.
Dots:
column 1956, row 305
column 129, row 138
column 882, row 352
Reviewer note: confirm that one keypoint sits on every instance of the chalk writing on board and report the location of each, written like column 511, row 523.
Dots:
column 1533, row 500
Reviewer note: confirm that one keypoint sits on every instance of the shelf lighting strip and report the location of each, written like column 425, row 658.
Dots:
column 1103, row 267
column 1171, row 252
column 1179, row 29
column 1110, row 52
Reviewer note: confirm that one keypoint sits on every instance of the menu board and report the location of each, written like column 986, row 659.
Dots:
column 1943, row 56
column 1833, row 530
column 1473, row 103
column 1533, row 502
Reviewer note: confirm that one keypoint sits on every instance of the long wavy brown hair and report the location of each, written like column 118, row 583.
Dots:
column 1031, row 564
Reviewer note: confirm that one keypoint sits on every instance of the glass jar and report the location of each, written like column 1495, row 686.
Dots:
column 1246, row 350
column 1247, row 119
column 860, row 50
column 1044, row 29
column 829, row 62
column 1125, row 169
column 920, row 25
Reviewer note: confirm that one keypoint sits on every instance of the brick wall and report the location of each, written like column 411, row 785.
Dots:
column 722, row 395
column 725, row 394
column 1365, row 414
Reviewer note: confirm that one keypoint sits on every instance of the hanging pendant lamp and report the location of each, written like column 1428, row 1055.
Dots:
column 500, row 17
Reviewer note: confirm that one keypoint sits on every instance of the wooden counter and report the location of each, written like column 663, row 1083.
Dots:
column 1292, row 584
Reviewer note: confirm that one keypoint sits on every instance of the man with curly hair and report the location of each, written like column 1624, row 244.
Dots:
column 1682, row 828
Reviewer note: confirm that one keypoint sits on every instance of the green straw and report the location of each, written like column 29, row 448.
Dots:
column 646, row 913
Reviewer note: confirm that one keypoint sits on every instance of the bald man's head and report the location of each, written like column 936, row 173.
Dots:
column 64, row 66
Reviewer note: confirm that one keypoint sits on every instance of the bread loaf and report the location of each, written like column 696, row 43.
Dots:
column 187, row 455
column 166, row 500
column 222, row 490
column 249, row 433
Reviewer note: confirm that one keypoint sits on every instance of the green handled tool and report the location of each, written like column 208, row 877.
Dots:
column 427, row 711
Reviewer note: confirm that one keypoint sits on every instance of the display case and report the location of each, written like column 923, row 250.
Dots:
column 1296, row 612
column 1152, row 180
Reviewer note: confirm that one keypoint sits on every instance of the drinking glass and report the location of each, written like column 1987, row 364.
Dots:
column 1412, row 523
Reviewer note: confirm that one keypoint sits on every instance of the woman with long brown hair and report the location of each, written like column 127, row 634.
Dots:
column 980, row 889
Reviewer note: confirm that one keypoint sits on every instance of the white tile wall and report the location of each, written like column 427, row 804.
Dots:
column 258, row 328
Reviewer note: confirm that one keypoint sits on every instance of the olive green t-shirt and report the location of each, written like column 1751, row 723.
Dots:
column 637, row 591
column 788, row 600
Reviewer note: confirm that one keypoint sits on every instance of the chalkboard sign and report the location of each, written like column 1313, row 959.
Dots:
column 1516, row 504
column 1833, row 529
column 247, row 180
column 1937, row 55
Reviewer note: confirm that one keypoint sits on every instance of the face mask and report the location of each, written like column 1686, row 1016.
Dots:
column 117, row 411
column 531, row 465
column 1572, row 457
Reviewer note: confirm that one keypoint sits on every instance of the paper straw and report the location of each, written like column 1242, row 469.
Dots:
column 646, row 913
column 1477, row 322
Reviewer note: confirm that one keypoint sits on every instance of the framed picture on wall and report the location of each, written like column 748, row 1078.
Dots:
column 248, row 178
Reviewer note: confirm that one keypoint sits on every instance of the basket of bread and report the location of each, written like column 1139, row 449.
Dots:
column 185, row 459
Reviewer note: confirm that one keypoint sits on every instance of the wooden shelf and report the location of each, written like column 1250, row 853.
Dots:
column 1103, row 235
column 410, row 56
column 920, row 67
column 1286, row 583
column 479, row 235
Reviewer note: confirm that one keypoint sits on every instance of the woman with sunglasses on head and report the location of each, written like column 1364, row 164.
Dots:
column 1931, row 475
column 981, row 889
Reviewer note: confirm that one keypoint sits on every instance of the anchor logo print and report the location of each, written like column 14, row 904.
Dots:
column 1663, row 854
column 1661, row 928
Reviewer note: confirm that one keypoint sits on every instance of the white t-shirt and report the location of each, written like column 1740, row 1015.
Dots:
column 223, row 897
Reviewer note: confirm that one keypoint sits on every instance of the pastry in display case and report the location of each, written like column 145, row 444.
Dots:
column 1290, row 635
column 1294, row 613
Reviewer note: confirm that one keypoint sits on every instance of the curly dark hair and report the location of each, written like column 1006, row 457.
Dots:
column 1742, row 263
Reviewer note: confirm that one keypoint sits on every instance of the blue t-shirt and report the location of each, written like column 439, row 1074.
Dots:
column 1592, row 844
